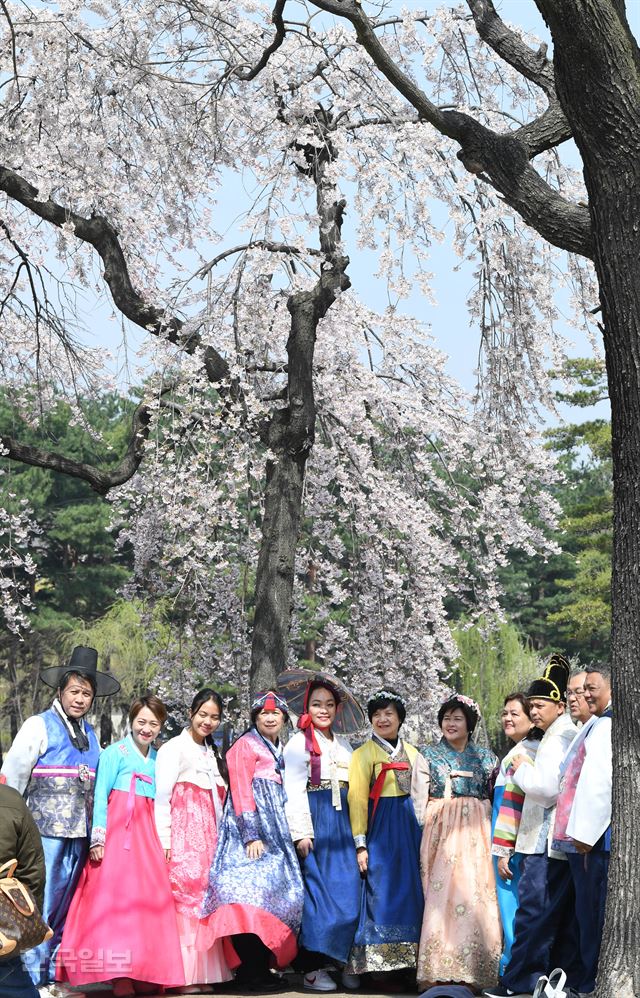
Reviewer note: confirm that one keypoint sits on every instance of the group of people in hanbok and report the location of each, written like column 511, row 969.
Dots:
column 307, row 854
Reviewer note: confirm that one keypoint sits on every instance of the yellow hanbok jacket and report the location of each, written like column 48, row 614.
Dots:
column 366, row 764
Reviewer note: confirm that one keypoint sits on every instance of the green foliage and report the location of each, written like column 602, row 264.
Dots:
column 494, row 661
column 564, row 604
column 79, row 567
column 119, row 638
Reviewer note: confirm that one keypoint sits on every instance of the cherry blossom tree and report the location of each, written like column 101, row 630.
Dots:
column 274, row 389
column 120, row 128
column 444, row 84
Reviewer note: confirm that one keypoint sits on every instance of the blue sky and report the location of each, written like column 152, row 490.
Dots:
column 448, row 320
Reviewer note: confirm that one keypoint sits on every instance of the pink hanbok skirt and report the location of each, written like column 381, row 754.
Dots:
column 122, row 920
column 194, row 834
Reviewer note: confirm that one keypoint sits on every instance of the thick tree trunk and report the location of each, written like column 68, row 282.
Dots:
column 275, row 574
column 290, row 436
column 598, row 82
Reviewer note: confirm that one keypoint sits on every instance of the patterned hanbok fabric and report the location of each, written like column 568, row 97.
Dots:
column 188, row 807
column 461, row 937
column 505, row 822
column 264, row 896
column 386, row 796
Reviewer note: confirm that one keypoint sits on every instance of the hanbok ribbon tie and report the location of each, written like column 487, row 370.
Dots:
column 376, row 790
column 131, row 804
column 312, row 747
column 448, row 789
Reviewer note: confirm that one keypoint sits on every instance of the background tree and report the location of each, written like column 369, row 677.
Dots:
column 592, row 88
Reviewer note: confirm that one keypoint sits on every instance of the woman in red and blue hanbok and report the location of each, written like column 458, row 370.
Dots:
column 121, row 925
column 255, row 891
column 316, row 782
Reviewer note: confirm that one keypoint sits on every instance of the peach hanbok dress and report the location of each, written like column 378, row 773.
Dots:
column 461, row 938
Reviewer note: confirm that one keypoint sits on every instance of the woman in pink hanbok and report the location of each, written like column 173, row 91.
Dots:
column 190, row 790
column 121, row 925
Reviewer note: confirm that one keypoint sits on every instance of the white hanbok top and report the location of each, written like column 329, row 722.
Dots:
column 334, row 768
column 181, row 760
column 31, row 742
column 541, row 785
column 591, row 809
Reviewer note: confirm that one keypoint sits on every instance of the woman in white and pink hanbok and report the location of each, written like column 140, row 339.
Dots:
column 190, row 790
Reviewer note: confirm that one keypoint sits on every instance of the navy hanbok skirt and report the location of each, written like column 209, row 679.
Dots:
column 391, row 903
column 332, row 882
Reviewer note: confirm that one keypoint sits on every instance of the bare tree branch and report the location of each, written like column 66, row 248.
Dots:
column 502, row 160
column 100, row 481
column 276, row 17
column 533, row 65
column 551, row 128
column 100, row 234
column 265, row 244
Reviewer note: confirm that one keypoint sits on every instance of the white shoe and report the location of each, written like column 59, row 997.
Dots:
column 350, row 981
column 319, row 980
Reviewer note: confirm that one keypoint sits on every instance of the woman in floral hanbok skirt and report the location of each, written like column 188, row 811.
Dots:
column 255, row 889
column 189, row 794
column 461, row 937
column 121, row 924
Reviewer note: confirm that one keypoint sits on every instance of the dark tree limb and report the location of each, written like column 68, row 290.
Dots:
column 290, row 432
column 277, row 19
column 99, row 233
column 502, row 160
column 101, row 481
column 506, row 43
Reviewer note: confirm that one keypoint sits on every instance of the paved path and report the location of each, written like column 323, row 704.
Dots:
column 291, row 989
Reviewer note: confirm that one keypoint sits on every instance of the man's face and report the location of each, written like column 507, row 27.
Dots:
column 578, row 707
column 597, row 691
column 544, row 712
column 76, row 698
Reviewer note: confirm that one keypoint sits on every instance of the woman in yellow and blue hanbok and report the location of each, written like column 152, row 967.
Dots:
column 386, row 797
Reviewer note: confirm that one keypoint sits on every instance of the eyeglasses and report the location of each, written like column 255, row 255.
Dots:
column 576, row 694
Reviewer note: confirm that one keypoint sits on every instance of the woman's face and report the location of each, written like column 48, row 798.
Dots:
column 205, row 720
column 145, row 728
column 516, row 724
column 454, row 725
column 322, row 708
column 269, row 723
column 386, row 722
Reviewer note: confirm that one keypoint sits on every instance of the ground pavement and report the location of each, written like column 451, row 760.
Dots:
column 291, row 991
column 292, row 988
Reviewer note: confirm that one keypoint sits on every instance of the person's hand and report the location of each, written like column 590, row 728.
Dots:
column 255, row 849
column 363, row 859
column 304, row 847
column 503, row 868
column 167, row 854
column 582, row 847
column 517, row 761
column 96, row 854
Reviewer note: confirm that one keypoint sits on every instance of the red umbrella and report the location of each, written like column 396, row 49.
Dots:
column 293, row 683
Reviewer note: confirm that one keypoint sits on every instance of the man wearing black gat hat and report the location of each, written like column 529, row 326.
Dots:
column 52, row 761
column 546, row 930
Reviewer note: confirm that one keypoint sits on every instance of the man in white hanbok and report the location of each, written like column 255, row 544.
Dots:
column 583, row 825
